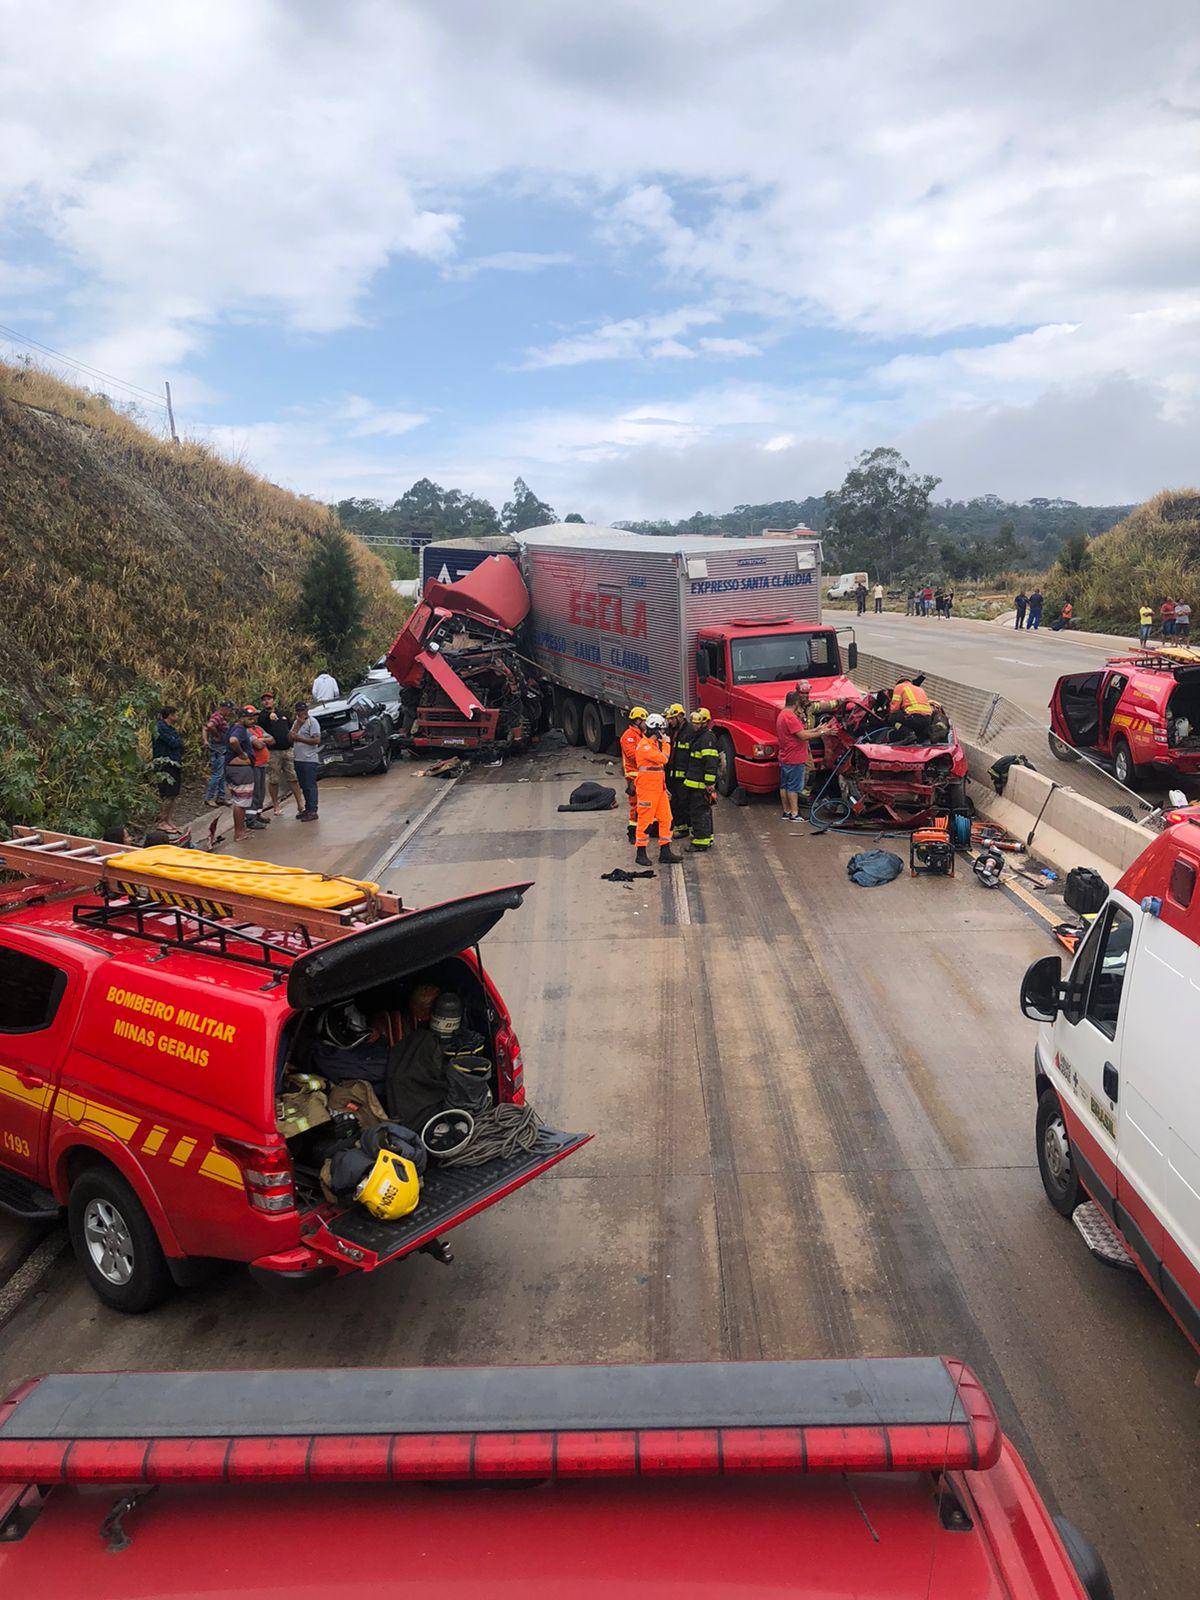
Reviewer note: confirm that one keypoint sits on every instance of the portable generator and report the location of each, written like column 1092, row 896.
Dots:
column 931, row 849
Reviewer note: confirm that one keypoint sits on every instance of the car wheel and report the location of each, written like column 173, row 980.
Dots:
column 1125, row 770
column 956, row 795
column 726, row 765
column 1060, row 1177
column 571, row 718
column 115, row 1242
column 1061, row 751
column 385, row 754
column 595, row 735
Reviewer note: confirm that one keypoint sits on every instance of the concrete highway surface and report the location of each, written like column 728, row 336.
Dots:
column 1025, row 666
column 813, row 1115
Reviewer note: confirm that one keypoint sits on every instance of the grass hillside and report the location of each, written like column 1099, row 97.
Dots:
column 1154, row 554
column 132, row 569
column 124, row 557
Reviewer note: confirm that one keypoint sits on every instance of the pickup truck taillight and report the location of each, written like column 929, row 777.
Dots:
column 266, row 1173
column 509, row 1062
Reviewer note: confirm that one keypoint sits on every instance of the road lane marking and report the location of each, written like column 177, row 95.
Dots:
column 679, row 894
column 375, row 872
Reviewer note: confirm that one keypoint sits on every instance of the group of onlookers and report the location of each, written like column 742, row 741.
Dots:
column 1029, row 610
column 1175, row 620
column 926, row 600
column 257, row 754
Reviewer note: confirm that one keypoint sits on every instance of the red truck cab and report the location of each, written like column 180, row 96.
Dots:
column 735, row 1480
column 146, row 1036
column 1141, row 712
column 743, row 672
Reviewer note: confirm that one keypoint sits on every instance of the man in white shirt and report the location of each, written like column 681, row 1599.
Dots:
column 325, row 688
column 878, row 592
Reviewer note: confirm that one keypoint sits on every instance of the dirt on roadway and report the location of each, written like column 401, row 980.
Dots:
column 813, row 1110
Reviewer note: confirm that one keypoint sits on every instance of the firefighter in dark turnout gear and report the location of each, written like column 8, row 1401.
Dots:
column 700, row 784
column 679, row 731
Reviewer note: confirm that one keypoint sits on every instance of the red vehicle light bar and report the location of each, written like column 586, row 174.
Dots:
column 893, row 1415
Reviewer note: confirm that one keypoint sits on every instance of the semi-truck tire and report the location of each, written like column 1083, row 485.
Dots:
column 570, row 719
column 596, row 735
column 726, row 765
column 115, row 1243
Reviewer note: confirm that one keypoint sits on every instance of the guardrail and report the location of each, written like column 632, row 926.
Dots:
column 992, row 721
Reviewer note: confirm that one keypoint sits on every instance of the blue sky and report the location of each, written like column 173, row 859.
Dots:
column 654, row 258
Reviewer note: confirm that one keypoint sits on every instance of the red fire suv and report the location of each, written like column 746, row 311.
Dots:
column 1141, row 711
column 149, row 1026
column 831, row 1479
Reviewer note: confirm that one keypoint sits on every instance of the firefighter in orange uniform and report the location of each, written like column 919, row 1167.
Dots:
column 651, row 757
column 630, row 740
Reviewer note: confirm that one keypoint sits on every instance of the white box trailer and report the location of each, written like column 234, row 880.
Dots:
column 616, row 616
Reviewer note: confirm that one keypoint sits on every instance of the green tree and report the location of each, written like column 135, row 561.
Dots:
column 525, row 510
column 879, row 518
column 332, row 600
column 572, row 516
column 1076, row 555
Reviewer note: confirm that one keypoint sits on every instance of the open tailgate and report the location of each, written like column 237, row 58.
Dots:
column 449, row 1195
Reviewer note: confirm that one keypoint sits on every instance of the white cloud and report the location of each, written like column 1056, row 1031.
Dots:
column 633, row 337
column 729, row 347
column 507, row 261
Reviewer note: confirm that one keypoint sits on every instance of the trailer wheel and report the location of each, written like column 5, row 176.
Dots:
column 571, row 719
column 726, row 765
column 115, row 1242
column 1061, row 751
column 595, row 735
column 1060, row 1176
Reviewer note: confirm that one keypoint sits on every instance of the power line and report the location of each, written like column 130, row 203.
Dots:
column 11, row 336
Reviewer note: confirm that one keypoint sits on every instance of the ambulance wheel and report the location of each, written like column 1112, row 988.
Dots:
column 595, row 734
column 115, row 1242
column 571, row 718
column 726, row 766
column 1061, row 751
column 1060, row 1177
column 1125, row 769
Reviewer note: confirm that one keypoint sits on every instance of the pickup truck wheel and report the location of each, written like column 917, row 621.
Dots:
column 1060, row 1177
column 1125, row 770
column 595, row 734
column 115, row 1242
column 1061, row 751
column 726, row 765
column 571, row 718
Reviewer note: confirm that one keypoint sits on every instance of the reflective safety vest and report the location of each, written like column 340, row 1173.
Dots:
column 702, row 758
column 910, row 701
column 681, row 743
column 630, row 740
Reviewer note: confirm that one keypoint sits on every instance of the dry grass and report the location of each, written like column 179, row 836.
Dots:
column 124, row 557
column 1151, row 556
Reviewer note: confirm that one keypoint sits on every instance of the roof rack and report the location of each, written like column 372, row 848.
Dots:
column 83, row 864
column 1165, row 660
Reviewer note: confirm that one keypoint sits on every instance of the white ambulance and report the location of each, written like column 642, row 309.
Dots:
column 1118, row 1074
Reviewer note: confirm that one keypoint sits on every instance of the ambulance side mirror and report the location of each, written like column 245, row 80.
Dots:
column 702, row 665
column 1041, row 989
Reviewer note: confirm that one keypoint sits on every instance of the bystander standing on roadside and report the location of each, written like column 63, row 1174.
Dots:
column 167, row 755
column 1183, row 619
column 939, row 602
column 281, row 765
column 239, row 779
column 216, row 736
column 261, row 755
column 926, row 599
column 1166, row 615
column 1021, row 602
column 1145, row 623
column 305, row 734
column 1034, row 619
column 325, row 687
column 910, row 604
column 877, row 592
column 949, row 601
column 860, row 598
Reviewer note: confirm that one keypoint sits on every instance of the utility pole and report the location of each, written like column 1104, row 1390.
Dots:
column 171, row 414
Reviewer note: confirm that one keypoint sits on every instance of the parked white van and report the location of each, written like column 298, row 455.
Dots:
column 1118, row 1074
column 845, row 584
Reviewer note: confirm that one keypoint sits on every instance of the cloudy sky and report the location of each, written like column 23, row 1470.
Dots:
column 655, row 255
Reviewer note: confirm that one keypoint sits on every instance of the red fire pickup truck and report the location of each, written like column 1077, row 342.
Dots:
column 832, row 1479
column 149, row 1013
